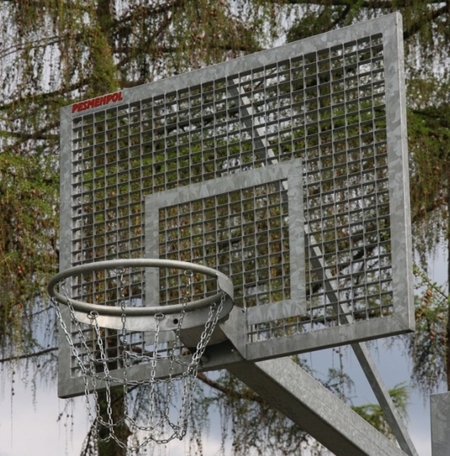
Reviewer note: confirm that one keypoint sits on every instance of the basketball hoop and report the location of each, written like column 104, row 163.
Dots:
column 120, row 333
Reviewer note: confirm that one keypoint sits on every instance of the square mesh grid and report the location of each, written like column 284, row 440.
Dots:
column 326, row 106
column 244, row 234
column 249, row 226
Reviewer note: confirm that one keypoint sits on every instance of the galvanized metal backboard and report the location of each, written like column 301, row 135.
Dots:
column 249, row 226
column 139, row 164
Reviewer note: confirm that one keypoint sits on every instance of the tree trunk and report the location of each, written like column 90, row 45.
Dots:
column 447, row 350
column 110, row 447
column 112, row 408
column 104, row 80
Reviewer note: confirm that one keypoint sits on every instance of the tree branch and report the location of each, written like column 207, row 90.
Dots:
column 380, row 4
column 48, row 41
column 39, row 135
column 432, row 206
column 45, row 95
column 230, row 393
column 419, row 24
column 29, row 355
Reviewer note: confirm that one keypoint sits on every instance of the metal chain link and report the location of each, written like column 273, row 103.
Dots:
column 89, row 360
column 191, row 372
column 76, row 354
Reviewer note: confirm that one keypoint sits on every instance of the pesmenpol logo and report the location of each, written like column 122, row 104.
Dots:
column 96, row 102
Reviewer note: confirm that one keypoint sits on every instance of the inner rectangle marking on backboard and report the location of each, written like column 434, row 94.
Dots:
column 248, row 225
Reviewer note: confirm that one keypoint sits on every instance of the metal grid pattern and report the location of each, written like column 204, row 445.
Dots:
column 321, row 100
column 244, row 234
column 326, row 107
column 249, row 226
column 349, row 223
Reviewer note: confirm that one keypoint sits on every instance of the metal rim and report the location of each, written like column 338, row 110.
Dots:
column 224, row 283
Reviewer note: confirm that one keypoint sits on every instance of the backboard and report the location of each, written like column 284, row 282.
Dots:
column 286, row 170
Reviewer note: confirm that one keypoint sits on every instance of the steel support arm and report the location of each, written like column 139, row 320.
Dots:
column 290, row 389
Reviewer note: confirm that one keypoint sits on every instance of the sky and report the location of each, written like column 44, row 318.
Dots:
column 29, row 421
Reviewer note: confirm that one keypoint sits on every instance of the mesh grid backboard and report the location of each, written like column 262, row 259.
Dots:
column 248, row 226
column 318, row 248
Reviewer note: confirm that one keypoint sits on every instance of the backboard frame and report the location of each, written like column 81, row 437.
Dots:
column 387, row 31
column 291, row 174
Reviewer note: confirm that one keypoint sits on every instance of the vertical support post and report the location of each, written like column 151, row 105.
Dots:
column 440, row 424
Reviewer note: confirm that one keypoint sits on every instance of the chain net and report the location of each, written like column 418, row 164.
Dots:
column 153, row 409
